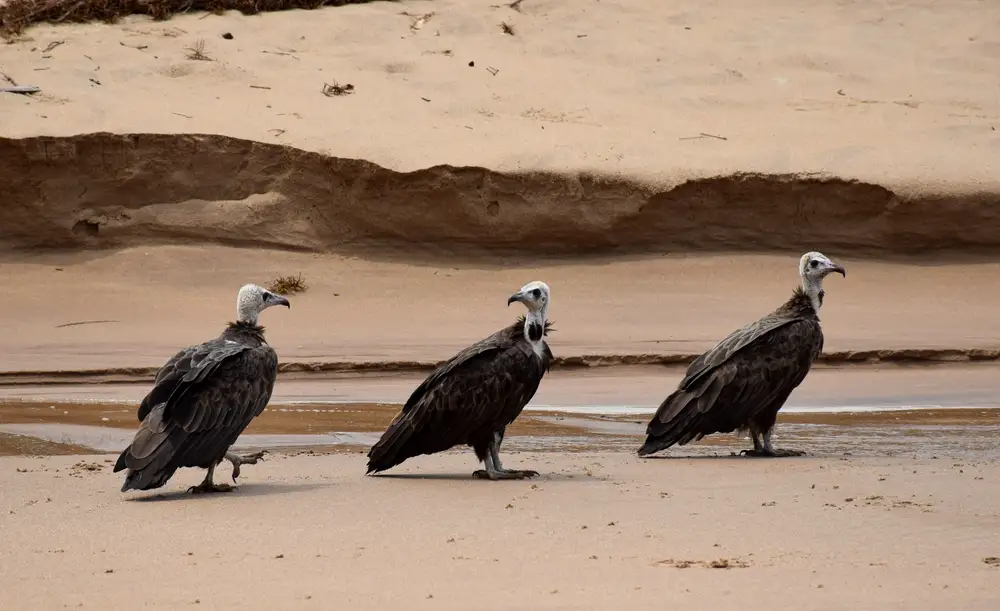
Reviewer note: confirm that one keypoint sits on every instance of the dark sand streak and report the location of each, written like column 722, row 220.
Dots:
column 299, row 370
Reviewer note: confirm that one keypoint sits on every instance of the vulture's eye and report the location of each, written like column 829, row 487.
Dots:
column 536, row 293
column 814, row 263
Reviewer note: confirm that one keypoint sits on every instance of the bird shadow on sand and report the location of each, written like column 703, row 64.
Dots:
column 243, row 490
column 460, row 477
column 720, row 457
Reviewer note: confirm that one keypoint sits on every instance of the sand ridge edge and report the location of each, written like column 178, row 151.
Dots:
column 118, row 375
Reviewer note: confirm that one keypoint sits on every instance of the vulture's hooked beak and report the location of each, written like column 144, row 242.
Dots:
column 519, row 296
column 839, row 269
column 279, row 300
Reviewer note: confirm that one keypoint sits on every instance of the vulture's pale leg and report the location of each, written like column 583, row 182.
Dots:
column 758, row 449
column 209, row 486
column 768, row 450
column 494, row 468
column 249, row 459
column 495, row 451
column 771, row 451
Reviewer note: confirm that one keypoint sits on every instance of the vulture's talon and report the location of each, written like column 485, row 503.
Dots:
column 498, row 475
column 249, row 459
column 206, row 487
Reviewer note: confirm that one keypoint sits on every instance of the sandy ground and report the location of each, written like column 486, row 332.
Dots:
column 901, row 94
column 160, row 299
column 605, row 531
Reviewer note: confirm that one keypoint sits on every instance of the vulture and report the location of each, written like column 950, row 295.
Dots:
column 742, row 382
column 470, row 399
column 202, row 399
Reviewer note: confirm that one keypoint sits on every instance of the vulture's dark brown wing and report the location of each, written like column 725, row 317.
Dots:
column 195, row 360
column 724, row 394
column 201, row 412
column 480, row 390
column 733, row 343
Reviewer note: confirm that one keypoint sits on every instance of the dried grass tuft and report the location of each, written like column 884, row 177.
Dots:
column 18, row 15
column 288, row 285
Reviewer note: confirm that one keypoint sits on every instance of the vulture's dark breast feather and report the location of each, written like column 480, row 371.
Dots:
column 202, row 399
column 464, row 401
column 745, row 378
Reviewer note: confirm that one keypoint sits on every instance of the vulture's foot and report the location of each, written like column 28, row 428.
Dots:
column 249, row 459
column 209, row 486
column 494, row 474
column 771, row 453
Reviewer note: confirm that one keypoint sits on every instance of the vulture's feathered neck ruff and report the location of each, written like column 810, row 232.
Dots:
column 244, row 329
column 534, row 331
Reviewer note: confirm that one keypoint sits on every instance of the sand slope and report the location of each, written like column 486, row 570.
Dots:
column 604, row 531
column 902, row 95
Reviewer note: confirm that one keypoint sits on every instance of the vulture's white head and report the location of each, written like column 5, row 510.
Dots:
column 252, row 300
column 534, row 296
column 813, row 267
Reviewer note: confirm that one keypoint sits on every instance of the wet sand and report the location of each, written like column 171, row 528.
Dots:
column 26, row 426
column 620, row 389
column 948, row 410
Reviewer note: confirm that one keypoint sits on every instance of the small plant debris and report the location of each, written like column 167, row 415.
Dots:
column 992, row 561
column 417, row 21
column 507, row 28
column 197, row 52
column 337, row 89
column 719, row 563
column 288, row 285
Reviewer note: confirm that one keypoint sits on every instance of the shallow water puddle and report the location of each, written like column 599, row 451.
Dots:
column 41, row 428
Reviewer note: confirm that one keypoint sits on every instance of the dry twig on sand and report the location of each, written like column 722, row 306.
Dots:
column 337, row 89
column 197, row 52
column 703, row 135
column 507, row 28
column 515, row 5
